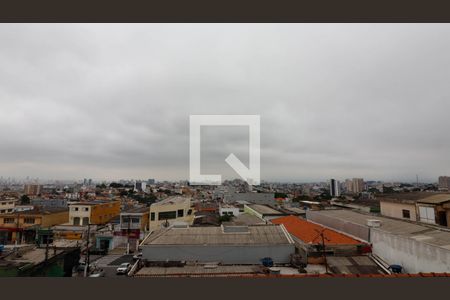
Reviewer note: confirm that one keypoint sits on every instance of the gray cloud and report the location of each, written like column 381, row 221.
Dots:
column 336, row 100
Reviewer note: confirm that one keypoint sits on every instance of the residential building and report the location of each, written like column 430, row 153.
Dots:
column 426, row 207
column 62, row 203
column 22, row 226
column 348, row 185
column 414, row 246
column 140, row 186
column 32, row 189
column 444, row 183
column 334, row 188
column 7, row 205
column 358, row 185
column 227, row 245
column 93, row 212
column 230, row 210
column 134, row 223
column 170, row 210
column 398, row 208
column 435, row 209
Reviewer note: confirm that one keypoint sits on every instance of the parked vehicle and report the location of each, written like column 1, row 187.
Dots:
column 99, row 273
column 137, row 256
column 123, row 268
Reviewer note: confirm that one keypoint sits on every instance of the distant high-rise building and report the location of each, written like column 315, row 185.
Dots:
column 358, row 185
column 444, row 182
column 140, row 186
column 355, row 185
column 151, row 181
column 334, row 188
column 349, row 185
column 32, row 189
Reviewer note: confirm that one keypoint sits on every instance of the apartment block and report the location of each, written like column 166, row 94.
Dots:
column 93, row 212
column 170, row 210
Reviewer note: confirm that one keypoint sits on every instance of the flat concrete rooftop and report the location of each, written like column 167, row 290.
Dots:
column 425, row 233
column 253, row 235
column 263, row 209
column 197, row 270
column 245, row 219
column 172, row 200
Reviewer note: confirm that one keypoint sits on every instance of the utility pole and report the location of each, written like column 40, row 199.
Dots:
column 323, row 238
column 128, row 235
column 86, row 260
column 17, row 228
column 46, row 249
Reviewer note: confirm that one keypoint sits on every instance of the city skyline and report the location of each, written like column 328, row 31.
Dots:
column 335, row 100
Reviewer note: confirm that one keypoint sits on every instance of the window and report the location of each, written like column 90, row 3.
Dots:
column 85, row 221
column 8, row 220
column 86, row 209
column 406, row 214
column 189, row 212
column 165, row 215
column 2, row 211
column 75, row 208
column 152, row 216
column 28, row 220
column 180, row 213
column 427, row 214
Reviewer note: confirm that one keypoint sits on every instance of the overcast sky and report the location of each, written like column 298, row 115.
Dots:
column 113, row 101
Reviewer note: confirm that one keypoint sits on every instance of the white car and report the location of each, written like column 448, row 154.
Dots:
column 123, row 268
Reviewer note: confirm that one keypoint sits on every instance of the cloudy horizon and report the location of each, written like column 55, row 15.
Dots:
column 112, row 101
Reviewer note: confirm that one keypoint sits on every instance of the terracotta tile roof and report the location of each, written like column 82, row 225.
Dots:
column 308, row 232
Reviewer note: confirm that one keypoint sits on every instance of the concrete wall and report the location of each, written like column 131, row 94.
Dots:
column 227, row 210
column 356, row 230
column 55, row 218
column 157, row 208
column 395, row 210
column 219, row 253
column 50, row 202
column 413, row 255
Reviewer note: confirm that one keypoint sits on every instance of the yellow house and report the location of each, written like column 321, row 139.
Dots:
column 93, row 212
column 14, row 226
column 170, row 210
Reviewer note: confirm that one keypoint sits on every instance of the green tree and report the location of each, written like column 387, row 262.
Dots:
column 280, row 195
column 225, row 218
column 25, row 199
